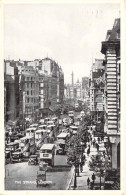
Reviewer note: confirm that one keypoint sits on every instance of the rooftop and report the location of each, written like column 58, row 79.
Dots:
column 47, row 147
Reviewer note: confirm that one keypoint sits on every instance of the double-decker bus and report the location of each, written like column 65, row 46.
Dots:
column 47, row 152
column 61, row 142
column 27, row 145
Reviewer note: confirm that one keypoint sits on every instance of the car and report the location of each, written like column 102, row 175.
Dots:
column 17, row 157
column 33, row 160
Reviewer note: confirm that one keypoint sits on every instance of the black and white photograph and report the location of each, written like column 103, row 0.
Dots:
column 62, row 96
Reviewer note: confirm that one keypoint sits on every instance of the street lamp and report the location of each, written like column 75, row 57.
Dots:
column 75, row 178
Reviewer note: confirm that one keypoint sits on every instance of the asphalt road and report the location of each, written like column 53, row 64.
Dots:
column 21, row 176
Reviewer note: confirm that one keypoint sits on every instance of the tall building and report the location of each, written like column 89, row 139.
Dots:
column 11, row 91
column 61, row 86
column 85, row 89
column 96, row 84
column 55, row 82
column 111, row 49
column 29, row 92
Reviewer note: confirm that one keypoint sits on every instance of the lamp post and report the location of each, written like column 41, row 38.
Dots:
column 75, row 177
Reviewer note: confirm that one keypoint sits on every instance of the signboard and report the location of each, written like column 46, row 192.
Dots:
column 45, row 155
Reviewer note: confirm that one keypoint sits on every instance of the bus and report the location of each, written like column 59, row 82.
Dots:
column 50, row 123
column 30, row 131
column 42, row 127
column 61, row 142
column 73, row 129
column 52, row 129
column 27, row 145
column 13, row 146
column 35, row 125
column 40, row 136
column 47, row 152
column 17, row 157
column 46, row 120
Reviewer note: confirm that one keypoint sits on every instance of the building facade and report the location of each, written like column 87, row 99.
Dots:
column 97, row 84
column 11, row 91
column 111, row 50
column 29, row 88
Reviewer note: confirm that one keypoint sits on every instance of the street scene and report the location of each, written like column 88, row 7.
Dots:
column 62, row 97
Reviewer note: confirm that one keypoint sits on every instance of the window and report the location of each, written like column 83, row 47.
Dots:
column 31, row 92
column 27, row 78
column 28, row 100
column 27, row 84
column 27, row 92
column 31, row 85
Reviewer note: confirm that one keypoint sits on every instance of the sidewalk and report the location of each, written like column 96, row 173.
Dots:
column 83, row 176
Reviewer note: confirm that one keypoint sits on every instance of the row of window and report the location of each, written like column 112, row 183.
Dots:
column 32, row 79
column 29, row 78
column 31, row 85
column 32, row 100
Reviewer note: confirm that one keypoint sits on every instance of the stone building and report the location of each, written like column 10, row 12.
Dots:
column 55, row 82
column 111, row 49
column 96, row 84
column 11, row 91
column 85, row 90
column 29, row 92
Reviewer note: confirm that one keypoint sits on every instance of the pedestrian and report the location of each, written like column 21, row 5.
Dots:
column 93, row 178
column 88, row 151
column 97, row 146
column 88, row 181
column 98, row 139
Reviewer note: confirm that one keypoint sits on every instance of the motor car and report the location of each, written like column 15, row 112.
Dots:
column 17, row 157
column 33, row 160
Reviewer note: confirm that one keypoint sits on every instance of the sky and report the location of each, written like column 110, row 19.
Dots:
column 70, row 34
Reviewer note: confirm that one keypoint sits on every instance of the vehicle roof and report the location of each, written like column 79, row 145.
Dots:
column 50, row 126
column 50, row 121
column 31, row 128
column 73, row 127
column 47, row 146
column 35, row 124
column 16, row 153
column 62, row 135
column 43, row 125
column 12, row 143
column 42, row 130
column 26, row 137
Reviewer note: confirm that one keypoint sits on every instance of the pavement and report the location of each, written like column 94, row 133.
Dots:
column 83, row 176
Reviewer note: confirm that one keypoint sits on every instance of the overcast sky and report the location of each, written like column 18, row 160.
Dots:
column 71, row 34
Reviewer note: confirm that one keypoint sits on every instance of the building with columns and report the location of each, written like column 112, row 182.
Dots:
column 111, row 49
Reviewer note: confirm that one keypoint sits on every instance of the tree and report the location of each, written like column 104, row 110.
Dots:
column 74, row 153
